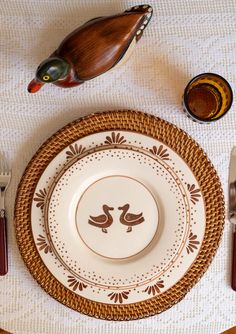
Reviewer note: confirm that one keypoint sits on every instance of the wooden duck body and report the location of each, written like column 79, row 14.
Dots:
column 101, row 44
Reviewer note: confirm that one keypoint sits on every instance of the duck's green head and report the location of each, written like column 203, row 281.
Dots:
column 50, row 70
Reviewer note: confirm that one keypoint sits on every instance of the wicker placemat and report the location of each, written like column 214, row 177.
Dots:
column 172, row 136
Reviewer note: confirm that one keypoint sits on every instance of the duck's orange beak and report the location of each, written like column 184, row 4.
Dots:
column 35, row 86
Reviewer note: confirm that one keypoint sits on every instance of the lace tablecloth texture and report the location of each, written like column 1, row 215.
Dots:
column 185, row 38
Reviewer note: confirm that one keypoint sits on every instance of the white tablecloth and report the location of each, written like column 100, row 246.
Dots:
column 185, row 38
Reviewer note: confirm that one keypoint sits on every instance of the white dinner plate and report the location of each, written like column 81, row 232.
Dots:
column 121, row 220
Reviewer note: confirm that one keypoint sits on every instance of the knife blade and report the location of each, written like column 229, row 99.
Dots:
column 232, row 211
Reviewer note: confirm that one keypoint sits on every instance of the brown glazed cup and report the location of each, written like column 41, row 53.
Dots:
column 207, row 98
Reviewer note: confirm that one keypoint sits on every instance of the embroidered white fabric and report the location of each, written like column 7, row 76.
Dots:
column 184, row 38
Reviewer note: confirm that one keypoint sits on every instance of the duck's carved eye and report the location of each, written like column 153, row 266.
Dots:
column 46, row 77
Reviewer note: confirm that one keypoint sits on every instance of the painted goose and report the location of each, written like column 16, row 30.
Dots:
column 102, row 221
column 93, row 49
column 130, row 219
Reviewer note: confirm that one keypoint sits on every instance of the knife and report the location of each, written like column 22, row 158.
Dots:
column 232, row 210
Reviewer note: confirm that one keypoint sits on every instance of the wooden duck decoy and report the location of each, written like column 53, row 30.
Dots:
column 102, row 221
column 130, row 219
column 93, row 49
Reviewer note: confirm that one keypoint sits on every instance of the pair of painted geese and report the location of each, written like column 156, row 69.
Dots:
column 93, row 49
column 105, row 220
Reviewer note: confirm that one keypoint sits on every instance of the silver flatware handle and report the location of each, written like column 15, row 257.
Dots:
column 3, row 244
column 233, row 282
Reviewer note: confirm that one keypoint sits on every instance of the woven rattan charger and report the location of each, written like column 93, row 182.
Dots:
column 145, row 124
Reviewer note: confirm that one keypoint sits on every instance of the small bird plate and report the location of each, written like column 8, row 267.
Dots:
column 119, row 218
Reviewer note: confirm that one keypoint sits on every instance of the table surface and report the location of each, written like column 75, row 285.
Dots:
column 185, row 38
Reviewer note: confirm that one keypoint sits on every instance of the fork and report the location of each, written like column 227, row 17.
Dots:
column 5, row 177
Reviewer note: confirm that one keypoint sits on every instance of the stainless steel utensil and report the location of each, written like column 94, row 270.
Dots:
column 232, row 210
column 5, row 177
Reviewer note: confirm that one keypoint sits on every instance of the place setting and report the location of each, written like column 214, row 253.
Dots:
column 120, row 213
column 113, row 217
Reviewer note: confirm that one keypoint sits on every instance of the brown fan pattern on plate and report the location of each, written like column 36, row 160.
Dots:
column 194, row 193
column 160, row 152
column 43, row 244
column 156, row 288
column 118, row 296
column 115, row 139
column 40, row 198
column 76, row 284
column 192, row 243
column 74, row 150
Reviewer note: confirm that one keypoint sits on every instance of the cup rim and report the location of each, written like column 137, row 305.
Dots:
column 186, row 104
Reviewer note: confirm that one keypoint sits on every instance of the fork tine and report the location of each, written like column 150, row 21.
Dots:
column 6, row 166
column 3, row 165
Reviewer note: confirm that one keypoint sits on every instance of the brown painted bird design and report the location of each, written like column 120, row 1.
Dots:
column 130, row 219
column 93, row 49
column 102, row 221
